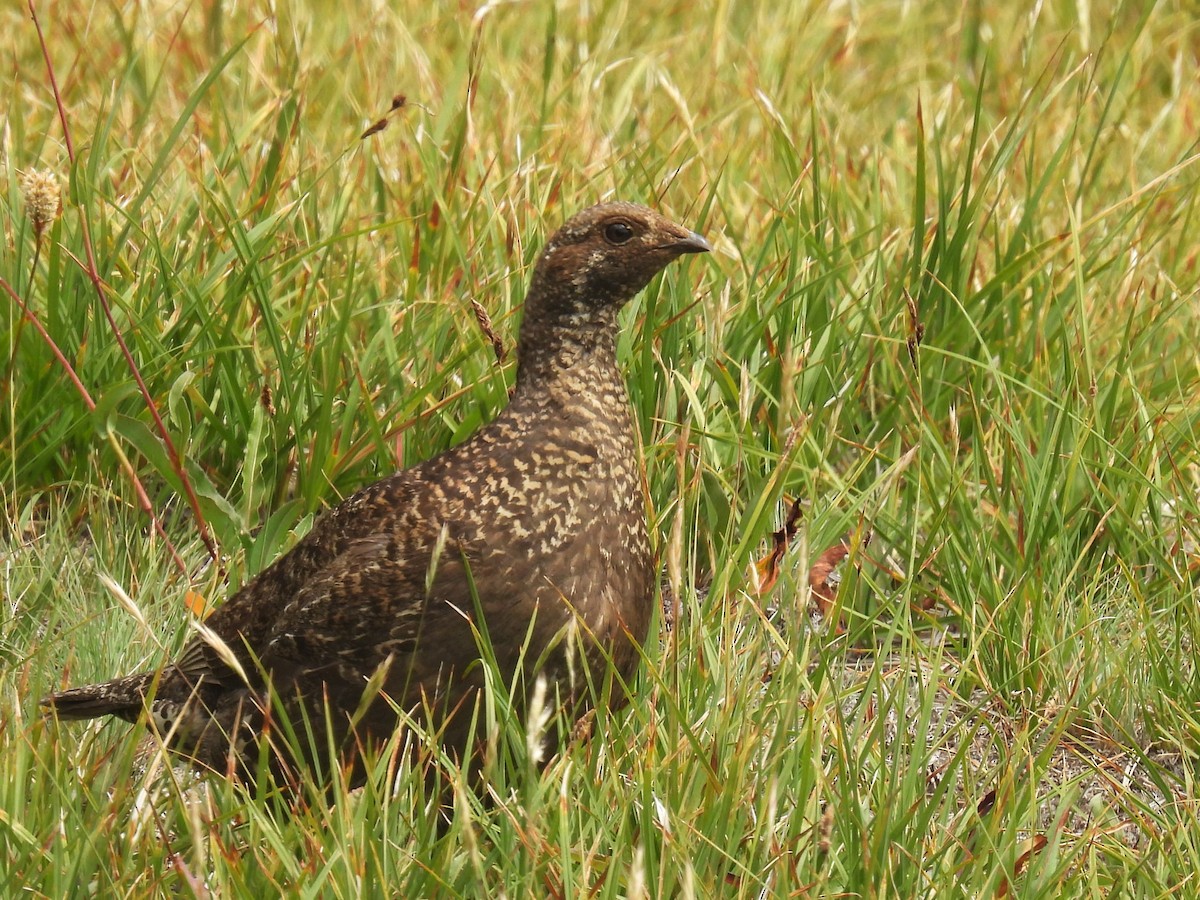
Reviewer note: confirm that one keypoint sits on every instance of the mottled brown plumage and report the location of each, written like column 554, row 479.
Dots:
column 537, row 522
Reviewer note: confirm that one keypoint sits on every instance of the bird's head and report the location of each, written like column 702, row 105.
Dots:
column 596, row 262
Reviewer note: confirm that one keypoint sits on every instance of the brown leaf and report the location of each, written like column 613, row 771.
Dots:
column 196, row 604
column 768, row 566
column 818, row 576
column 1036, row 843
column 1033, row 845
column 986, row 803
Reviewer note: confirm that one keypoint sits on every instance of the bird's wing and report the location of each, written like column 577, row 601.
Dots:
column 340, row 608
column 370, row 603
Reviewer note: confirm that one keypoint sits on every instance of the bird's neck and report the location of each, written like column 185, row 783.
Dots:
column 566, row 366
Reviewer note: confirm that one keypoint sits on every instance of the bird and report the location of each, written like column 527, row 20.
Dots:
column 530, row 539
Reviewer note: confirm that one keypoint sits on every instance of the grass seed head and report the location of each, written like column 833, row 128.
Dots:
column 43, row 199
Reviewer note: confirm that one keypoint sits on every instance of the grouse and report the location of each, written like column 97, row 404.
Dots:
column 529, row 538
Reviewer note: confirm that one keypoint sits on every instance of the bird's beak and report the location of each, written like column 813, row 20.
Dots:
column 691, row 243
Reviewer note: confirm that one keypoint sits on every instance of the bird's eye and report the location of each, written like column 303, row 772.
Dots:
column 617, row 232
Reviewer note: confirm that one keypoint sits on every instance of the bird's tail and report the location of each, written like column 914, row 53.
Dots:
column 123, row 698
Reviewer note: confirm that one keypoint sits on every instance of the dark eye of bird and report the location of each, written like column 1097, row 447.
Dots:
column 617, row 232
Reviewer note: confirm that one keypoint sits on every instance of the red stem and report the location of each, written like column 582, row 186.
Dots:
column 94, row 276
column 143, row 498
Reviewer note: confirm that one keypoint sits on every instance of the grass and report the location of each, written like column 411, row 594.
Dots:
column 951, row 310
